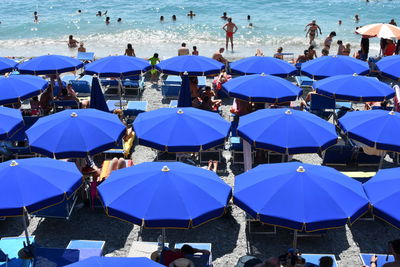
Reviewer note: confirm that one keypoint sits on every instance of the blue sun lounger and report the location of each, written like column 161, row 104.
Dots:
column 177, row 80
column 85, row 56
column 11, row 246
column 204, row 260
column 366, row 258
column 314, row 259
column 55, row 257
column 304, row 81
column 87, row 248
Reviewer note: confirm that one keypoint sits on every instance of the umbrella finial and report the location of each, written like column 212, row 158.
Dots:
column 180, row 111
column 165, row 169
column 13, row 163
column 301, row 169
column 355, row 74
column 391, row 112
column 74, row 115
column 263, row 74
column 288, row 112
column 185, row 73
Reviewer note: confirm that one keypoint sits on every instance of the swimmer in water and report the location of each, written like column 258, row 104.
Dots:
column 224, row 16
column 35, row 17
column 107, row 20
column 79, row 11
column 162, row 18
column 72, row 43
column 173, row 17
column 248, row 17
column 119, row 20
column 340, row 22
column 356, row 18
column 191, row 14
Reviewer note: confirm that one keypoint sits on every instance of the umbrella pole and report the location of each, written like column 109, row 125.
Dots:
column 24, row 219
column 163, row 237
column 381, row 162
column 295, row 239
column 120, row 92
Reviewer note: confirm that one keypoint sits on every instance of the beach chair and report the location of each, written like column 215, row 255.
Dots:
column 82, row 86
column 110, row 87
column 170, row 91
column 236, row 148
column 11, row 246
column 314, row 258
column 62, row 210
column 303, row 233
column 18, row 145
column 199, row 260
column 55, row 257
column 360, row 175
column 255, row 226
column 68, row 78
column 365, row 160
column 382, row 259
column 338, row 155
column 133, row 86
column 177, row 80
column 322, row 106
column 85, row 56
column 87, row 248
column 214, row 153
column 57, row 87
column 143, row 249
column 304, row 81
column 134, row 108
column 173, row 104
column 60, row 105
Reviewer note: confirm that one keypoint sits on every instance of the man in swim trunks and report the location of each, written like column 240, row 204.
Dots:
column 312, row 30
column 230, row 28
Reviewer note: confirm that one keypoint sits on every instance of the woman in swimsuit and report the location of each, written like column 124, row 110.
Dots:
column 129, row 51
column 311, row 53
column 312, row 32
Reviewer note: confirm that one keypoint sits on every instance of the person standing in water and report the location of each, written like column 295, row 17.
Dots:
column 129, row 51
column 35, row 17
column 72, row 43
column 313, row 31
column 230, row 28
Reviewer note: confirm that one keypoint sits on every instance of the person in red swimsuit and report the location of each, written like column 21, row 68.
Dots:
column 230, row 28
column 390, row 48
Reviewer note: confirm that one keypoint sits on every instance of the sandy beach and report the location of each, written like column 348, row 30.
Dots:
column 228, row 235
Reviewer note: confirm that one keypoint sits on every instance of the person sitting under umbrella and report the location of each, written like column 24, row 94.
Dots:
column 176, row 257
column 208, row 101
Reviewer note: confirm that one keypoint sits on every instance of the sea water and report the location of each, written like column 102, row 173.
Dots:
column 276, row 23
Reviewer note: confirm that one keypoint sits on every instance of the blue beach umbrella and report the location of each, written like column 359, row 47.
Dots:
column 49, row 64
column 262, row 88
column 75, row 133
column 375, row 128
column 300, row 196
column 165, row 195
column 390, row 66
column 16, row 88
column 258, row 65
column 29, row 185
column 192, row 65
column 117, row 66
column 354, row 88
column 327, row 66
column 97, row 100
column 7, row 65
column 115, row 262
column 383, row 192
column 287, row 131
column 186, row 66
column 180, row 129
column 10, row 122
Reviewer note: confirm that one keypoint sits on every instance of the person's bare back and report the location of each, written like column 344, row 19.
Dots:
column 218, row 56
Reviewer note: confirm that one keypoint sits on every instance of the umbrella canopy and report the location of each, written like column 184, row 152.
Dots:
column 262, row 88
column 192, row 65
column 115, row 262
column 383, row 192
column 75, row 133
column 117, row 66
column 354, row 88
column 35, row 184
column 49, row 64
column 10, row 122
column 180, row 129
column 7, row 65
column 390, row 66
column 16, row 88
column 165, row 195
column 287, row 131
column 259, row 65
column 300, row 196
column 97, row 100
column 328, row 66
column 381, row 30
column 375, row 128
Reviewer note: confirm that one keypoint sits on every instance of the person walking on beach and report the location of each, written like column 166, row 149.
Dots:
column 183, row 50
column 129, row 51
column 35, row 17
column 230, row 28
column 312, row 31
column 153, row 61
